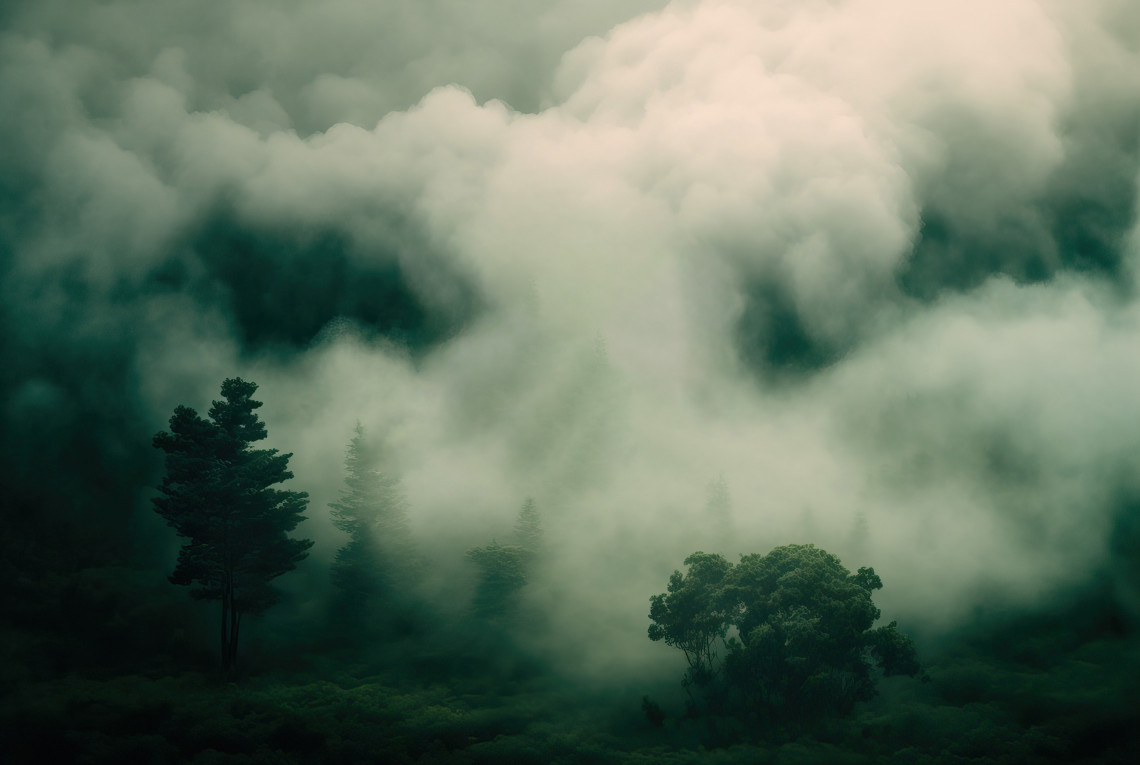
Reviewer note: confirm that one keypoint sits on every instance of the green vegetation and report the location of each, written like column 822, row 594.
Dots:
column 502, row 574
column 218, row 493
column 805, row 649
column 976, row 710
column 377, row 562
column 528, row 527
column 784, row 663
column 505, row 569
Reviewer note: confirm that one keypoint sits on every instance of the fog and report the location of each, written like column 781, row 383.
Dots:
column 872, row 262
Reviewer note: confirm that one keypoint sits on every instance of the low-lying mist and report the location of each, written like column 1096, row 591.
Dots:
column 705, row 275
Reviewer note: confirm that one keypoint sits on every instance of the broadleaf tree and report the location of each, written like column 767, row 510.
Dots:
column 805, row 646
column 691, row 616
column 218, row 493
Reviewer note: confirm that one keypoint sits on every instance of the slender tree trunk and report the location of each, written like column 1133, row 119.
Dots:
column 225, row 629
column 235, row 627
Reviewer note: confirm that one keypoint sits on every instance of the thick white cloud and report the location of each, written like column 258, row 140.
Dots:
column 615, row 199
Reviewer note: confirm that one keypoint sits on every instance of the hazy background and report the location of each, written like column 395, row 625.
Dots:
column 870, row 261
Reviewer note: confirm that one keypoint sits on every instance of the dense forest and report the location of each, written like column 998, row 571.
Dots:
column 728, row 381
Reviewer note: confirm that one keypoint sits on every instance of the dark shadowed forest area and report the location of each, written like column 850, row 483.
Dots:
column 705, row 381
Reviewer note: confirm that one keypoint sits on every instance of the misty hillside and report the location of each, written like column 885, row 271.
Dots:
column 368, row 369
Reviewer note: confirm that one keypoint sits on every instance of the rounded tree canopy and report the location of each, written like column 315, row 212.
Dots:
column 802, row 577
column 806, row 646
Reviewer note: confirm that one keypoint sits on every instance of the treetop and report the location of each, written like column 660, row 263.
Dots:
column 235, row 415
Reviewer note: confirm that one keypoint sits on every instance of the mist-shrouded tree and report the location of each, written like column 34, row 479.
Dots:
column 691, row 616
column 805, row 647
column 528, row 527
column 218, row 493
column 718, row 504
column 503, row 572
column 505, row 569
column 373, row 511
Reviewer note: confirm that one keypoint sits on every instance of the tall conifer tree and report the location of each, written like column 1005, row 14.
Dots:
column 218, row 493
column 528, row 527
column 373, row 511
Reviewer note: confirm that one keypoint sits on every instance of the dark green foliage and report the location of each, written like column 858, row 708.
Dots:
column 286, row 307
column 503, row 572
column 653, row 712
column 805, row 650
column 979, row 708
column 217, row 493
column 353, row 572
column 691, row 615
column 894, row 651
column 804, row 623
column 378, row 559
column 505, row 569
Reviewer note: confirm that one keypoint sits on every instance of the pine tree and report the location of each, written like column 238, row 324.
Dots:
column 373, row 511
column 528, row 527
column 218, row 493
